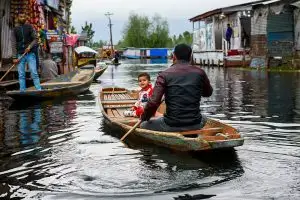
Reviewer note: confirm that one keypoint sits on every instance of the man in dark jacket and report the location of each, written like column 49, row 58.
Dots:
column 24, row 41
column 229, row 33
column 183, row 85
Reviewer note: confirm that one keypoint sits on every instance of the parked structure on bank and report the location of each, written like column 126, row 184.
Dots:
column 265, row 33
column 51, row 20
column 143, row 53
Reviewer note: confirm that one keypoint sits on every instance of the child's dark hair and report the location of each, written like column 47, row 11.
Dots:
column 145, row 75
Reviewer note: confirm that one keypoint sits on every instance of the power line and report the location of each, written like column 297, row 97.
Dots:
column 108, row 14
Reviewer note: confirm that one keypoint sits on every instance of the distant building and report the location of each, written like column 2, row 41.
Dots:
column 263, row 30
column 140, row 53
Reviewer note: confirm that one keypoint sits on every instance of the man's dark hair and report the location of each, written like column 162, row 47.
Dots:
column 144, row 75
column 183, row 52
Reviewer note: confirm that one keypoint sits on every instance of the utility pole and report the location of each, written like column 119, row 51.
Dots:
column 108, row 14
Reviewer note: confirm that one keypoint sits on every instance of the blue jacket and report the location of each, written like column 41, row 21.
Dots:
column 229, row 32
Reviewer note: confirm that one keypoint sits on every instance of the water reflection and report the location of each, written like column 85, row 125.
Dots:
column 30, row 126
column 27, row 135
column 65, row 150
column 187, row 171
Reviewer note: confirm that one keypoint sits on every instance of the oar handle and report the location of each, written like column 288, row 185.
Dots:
column 131, row 130
column 12, row 67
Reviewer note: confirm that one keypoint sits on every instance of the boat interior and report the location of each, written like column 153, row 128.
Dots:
column 74, row 78
column 117, row 100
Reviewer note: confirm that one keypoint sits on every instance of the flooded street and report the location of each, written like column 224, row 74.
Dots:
column 63, row 149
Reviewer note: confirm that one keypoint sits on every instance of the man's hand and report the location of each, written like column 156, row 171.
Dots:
column 27, row 49
column 15, row 61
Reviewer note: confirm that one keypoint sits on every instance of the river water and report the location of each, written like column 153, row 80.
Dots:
column 63, row 149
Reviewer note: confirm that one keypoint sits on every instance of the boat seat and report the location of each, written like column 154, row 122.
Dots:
column 112, row 102
column 118, row 97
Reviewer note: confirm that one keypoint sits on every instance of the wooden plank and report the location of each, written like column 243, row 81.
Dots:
column 110, row 113
column 116, row 113
column 115, row 92
column 206, row 131
column 118, row 102
column 121, row 111
column 115, row 96
column 118, row 106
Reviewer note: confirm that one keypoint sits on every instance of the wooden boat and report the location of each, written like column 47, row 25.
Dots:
column 215, row 134
column 84, row 55
column 99, row 72
column 70, row 84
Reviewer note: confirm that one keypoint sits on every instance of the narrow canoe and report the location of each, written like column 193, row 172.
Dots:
column 70, row 84
column 215, row 134
column 99, row 72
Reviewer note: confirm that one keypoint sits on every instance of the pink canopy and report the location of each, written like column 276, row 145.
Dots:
column 71, row 39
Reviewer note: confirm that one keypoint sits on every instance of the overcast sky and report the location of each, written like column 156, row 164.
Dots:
column 177, row 13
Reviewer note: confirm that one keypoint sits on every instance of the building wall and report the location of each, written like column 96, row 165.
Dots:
column 204, row 36
column 235, row 24
column 218, row 27
column 5, row 43
column 297, row 29
column 259, row 32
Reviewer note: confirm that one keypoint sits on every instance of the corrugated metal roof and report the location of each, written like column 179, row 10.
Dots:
column 82, row 49
column 234, row 8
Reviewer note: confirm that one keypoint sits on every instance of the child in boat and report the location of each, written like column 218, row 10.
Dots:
column 144, row 94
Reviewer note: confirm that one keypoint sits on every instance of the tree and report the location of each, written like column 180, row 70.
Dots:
column 185, row 37
column 73, row 30
column 159, row 32
column 141, row 32
column 135, row 33
column 88, row 28
column 99, row 44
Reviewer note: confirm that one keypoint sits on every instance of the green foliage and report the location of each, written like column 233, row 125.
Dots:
column 88, row 28
column 99, row 44
column 141, row 32
column 73, row 30
column 186, row 37
column 136, row 32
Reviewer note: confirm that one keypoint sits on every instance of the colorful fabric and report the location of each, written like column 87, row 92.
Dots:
column 138, row 108
column 71, row 39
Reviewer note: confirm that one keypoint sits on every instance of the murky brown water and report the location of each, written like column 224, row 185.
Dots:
column 64, row 150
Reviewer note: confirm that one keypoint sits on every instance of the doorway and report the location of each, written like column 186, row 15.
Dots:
column 245, row 32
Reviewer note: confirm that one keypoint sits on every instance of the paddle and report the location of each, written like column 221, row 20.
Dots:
column 13, row 66
column 131, row 130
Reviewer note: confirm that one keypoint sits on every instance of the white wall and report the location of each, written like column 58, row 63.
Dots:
column 259, row 21
column 297, row 28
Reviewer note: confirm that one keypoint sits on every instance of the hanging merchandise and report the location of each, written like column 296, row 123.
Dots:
column 31, row 9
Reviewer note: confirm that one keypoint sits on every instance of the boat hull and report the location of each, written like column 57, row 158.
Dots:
column 175, row 140
column 98, row 73
column 62, row 86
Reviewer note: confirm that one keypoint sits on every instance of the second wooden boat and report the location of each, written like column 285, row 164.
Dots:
column 215, row 134
column 70, row 84
column 99, row 72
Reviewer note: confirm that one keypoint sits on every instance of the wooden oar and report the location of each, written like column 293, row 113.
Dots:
column 12, row 66
column 131, row 130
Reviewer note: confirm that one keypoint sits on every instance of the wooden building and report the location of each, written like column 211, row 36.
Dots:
column 262, row 31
